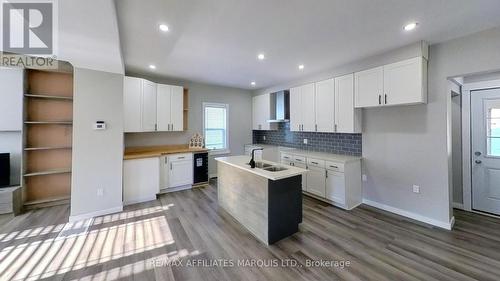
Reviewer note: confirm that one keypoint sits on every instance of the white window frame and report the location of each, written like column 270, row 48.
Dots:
column 225, row 150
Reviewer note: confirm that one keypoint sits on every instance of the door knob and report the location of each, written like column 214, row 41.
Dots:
column 478, row 161
column 477, row 153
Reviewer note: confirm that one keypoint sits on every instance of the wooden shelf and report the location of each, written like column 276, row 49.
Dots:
column 48, row 172
column 46, row 148
column 48, row 122
column 49, row 97
column 51, row 201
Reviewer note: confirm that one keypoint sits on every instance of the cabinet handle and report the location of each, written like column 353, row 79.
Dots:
column 181, row 157
column 335, row 128
column 379, row 99
column 156, row 127
column 299, row 127
column 298, row 160
column 316, row 127
column 385, row 98
column 334, row 167
column 314, row 163
column 170, row 166
column 326, row 174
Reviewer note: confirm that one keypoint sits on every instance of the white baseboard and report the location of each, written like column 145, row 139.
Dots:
column 441, row 224
column 135, row 201
column 95, row 214
column 458, row 205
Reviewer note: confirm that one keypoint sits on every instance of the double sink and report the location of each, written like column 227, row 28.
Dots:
column 269, row 167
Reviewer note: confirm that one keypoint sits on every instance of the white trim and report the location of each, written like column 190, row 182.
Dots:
column 457, row 205
column 220, row 105
column 96, row 214
column 441, row 224
column 466, row 137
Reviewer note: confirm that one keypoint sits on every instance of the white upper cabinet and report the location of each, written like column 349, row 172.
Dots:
column 325, row 106
column 302, row 108
column 132, row 103
column 170, row 108
column 405, row 82
column 369, row 87
column 177, row 108
column 150, row 107
column 308, row 108
column 347, row 118
column 295, row 109
column 400, row 83
column 261, row 112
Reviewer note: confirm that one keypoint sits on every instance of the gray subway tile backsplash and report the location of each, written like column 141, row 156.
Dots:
column 348, row 144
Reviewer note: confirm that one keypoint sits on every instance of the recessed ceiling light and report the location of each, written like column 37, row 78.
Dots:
column 261, row 56
column 253, row 83
column 152, row 66
column 410, row 26
column 301, row 66
column 163, row 27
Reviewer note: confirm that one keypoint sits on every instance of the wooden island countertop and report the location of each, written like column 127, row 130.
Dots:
column 138, row 152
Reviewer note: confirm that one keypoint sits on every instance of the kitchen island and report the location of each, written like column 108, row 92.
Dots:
column 267, row 199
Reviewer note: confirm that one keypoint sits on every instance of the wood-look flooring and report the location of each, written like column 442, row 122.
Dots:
column 188, row 227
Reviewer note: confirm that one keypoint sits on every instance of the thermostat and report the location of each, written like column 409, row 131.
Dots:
column 100, row 125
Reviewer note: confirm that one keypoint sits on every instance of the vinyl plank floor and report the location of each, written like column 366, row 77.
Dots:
column 186, row 236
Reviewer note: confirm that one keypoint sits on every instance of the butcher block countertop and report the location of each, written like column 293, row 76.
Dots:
column 139, row 152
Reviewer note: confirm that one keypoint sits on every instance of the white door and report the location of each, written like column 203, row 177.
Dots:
column 295, row 109
column 316, row 181
column 335, row 187
column 369, row 87
column 347, row 118
column 308, row 107
column 403, row 82
column 132, row 95
column 485, row 122
column 163, row 107
column 180, row 173
column 141, row 180
column 177, row 108
column 325, row 106
column 148, row 106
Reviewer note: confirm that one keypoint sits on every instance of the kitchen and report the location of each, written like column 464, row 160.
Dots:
column 243, row 140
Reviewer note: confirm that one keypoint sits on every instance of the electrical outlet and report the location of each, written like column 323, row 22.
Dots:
column 416, row 189
column 100, row 192
column 363, row 177
column 305, row 141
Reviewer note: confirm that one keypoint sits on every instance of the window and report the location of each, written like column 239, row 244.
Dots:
column 215, row 126
column 493, row 127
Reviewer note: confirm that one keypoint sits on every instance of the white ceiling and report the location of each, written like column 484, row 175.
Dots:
column 217, row 41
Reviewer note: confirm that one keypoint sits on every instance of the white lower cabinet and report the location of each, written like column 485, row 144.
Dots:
column 336, row 182
column 316, row 181
column 335, row 187
column 177, row 170
column 141, row 180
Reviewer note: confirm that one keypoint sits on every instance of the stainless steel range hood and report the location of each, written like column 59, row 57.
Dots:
column 280, row 107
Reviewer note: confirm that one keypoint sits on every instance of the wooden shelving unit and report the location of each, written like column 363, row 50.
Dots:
column 48, row 131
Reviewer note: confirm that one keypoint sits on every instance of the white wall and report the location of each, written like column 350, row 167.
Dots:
column 408, row 145
column 88, row 35
column 240, row 117
column 11, row 118
column 97, row 155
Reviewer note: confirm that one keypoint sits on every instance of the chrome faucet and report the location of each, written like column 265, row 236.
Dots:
column 252, row 161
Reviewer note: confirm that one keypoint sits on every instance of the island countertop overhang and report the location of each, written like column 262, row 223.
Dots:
column 241, row 162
